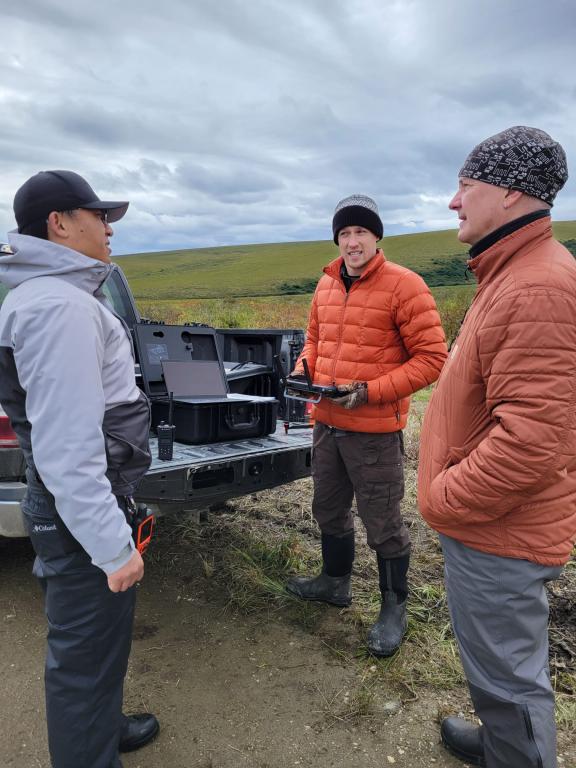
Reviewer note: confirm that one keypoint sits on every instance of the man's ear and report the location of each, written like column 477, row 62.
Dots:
column 57, row 226
column 512, row 197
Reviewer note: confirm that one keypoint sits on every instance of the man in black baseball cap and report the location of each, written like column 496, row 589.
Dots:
column 62, row 207
column 67, row 384
column 49, row 191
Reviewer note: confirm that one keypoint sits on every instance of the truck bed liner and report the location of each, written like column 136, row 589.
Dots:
column 200, row 455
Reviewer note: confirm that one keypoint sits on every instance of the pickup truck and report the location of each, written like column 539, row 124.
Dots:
column 198, row 476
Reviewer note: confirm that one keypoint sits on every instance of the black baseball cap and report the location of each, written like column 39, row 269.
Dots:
column 49, row 191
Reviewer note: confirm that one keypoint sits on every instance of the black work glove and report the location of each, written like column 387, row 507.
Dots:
column 354, row 395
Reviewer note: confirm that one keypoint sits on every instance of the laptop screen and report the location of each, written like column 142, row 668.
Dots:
column 194, row 378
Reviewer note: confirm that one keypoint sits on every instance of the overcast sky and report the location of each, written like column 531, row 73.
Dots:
column 245, row 121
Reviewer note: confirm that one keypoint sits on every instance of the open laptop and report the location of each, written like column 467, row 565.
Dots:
column 193, row 379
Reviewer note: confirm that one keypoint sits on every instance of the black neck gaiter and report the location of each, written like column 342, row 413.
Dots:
column 507, row 229
column 348, row 280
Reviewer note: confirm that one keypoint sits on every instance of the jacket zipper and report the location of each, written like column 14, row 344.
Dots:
column 346, row 294
column 339, row 336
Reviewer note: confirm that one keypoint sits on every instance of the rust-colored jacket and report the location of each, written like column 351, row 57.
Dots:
column 497, row 464
column 385, row 330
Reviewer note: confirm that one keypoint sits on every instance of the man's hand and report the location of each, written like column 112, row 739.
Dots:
column 354, row 395
column 128, row 575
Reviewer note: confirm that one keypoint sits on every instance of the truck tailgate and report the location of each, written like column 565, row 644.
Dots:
column 200, row 475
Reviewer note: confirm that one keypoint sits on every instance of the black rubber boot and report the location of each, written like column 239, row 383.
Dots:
column 463, row 740
column 385, row 636
column 333, row 585
column 335, row 590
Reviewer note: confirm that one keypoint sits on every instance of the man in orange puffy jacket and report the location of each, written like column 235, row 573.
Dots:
column 373, row 331
column 497, row 471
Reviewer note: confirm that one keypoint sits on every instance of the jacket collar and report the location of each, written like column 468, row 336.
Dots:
column 32, row 257
column 492, row 238
column 490, row 261
column 377, row 261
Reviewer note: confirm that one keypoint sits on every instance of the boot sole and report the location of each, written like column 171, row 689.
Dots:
column 342, row 604
column 385, row 654
column 382, row 654
column 464, row 756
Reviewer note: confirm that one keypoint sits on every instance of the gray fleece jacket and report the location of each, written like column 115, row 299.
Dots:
column 67, row 383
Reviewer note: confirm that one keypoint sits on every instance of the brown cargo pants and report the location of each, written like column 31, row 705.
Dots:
column 366, row 465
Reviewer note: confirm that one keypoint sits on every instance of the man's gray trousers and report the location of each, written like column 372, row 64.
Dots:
column 89, row 638
column 499, row 612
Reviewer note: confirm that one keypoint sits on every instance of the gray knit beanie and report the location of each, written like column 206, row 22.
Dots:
column 357, row 211
column 521, row 158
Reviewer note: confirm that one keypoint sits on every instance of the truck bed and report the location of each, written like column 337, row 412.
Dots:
column 200, row 475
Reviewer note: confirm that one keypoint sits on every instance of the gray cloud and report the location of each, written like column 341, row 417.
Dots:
column 234, row 122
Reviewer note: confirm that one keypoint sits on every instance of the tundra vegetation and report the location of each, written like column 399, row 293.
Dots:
column 270, row 286
column 249, row 547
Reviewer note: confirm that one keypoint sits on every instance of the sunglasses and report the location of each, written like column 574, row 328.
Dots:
column 103, row 216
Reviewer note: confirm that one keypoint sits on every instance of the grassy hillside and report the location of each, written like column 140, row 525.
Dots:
column 264, row 270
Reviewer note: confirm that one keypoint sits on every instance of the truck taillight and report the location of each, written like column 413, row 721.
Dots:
column 8, row 437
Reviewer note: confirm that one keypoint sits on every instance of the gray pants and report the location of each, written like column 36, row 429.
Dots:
column 499, row 612
column 89, row 638
column 366, row 465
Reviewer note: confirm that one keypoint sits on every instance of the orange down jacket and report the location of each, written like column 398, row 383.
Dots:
column 497, row 466
column 385, row 330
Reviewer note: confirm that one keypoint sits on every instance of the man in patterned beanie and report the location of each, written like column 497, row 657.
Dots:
column 521, row 158
column 497, row 468
column 374, row 332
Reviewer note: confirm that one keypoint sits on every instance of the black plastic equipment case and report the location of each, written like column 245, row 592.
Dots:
column 251, row 368
column 197, row 420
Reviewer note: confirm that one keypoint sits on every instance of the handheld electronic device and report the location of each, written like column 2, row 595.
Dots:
column 165, row 434
column 303, row 388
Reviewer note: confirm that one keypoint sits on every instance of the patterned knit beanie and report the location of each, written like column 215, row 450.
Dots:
column 521, row 158
column 357, row 211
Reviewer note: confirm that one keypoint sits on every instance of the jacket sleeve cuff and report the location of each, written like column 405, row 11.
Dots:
column 114, row 565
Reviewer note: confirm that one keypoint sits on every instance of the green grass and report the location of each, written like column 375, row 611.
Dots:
column 282, row 311
column 566, row 712
column 255, row 571
column 231, row 312
column 261, row 270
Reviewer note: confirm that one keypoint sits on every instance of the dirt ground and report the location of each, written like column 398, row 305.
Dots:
column 230, row 688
